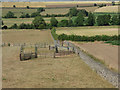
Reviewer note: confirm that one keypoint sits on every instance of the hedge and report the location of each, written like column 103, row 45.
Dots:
column 88, row 38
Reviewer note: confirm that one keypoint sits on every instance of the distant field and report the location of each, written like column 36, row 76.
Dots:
column 53, row 4
column 107, row 9
column 26, row 36
column 10, row 22
column 56, row 11
column 18, row 12
column 89, row 31
column 18, row 21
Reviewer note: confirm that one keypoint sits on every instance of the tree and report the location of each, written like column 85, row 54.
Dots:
column 73, row 11
column 22, row 26
column 79, row 21
column 113, row 3
column 53, row 22
column 2, row 22
column 83, row 11
column 27, row 15
column 14, row 6
column 40, row 10
column 28, row 7
column 91, row 19
column 15, row 26
column 39, row 23
column 70, row 23
column 103, row 20
column 95, row 4
column 115, row 20
column 35, row 14
column 63, row 23
column 4, row 27
column 10, row 15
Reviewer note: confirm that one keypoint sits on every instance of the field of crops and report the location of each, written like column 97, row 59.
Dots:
column 89, row 31
column 18, row 12
column 18, row 21
column 52, row 4
column 107, row 9
column 26, row 36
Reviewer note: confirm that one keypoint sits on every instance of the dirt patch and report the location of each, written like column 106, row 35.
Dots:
column 105, row 52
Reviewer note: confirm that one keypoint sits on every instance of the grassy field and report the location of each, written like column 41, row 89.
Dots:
column 26, row 36
column 62, row 72
column 89, row 31
column 105, row 53
column 11, row 21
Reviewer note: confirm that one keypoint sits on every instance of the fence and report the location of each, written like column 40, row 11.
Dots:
column 44, row 50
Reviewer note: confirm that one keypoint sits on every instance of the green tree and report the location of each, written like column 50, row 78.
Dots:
column 39, row 23
column 79, row 21
column 35, row 14
column 83, row 11
column 91, row 19
column 28, row 7
column 103, row 20
column 10, row 15
column 115, row 20
column 14, row 6
column 40, row 10
column 15, row 26
column 73, row 11
column 2, row 22
column 63, row 23
column 113, row 3
column 53, row 22
column 70, row 23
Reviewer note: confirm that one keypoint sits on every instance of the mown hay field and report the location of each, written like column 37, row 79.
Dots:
column 108, row 9
column 89, row 31
column 106, row 53
column 26, row 36
column 9, row 22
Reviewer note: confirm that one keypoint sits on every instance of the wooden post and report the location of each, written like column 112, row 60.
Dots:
column 36, row 51
column 49, row 47
column 56, row 49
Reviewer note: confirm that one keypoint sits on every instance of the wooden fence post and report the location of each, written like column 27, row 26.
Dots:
column 36, row 51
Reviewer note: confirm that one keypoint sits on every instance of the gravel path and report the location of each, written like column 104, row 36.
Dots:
column 100, row 69
column 109, row 75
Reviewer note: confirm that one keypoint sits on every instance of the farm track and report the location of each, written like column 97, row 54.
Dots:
column 106, row 73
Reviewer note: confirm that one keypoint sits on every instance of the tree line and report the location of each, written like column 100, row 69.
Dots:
column 80, row 20
column 63, row 37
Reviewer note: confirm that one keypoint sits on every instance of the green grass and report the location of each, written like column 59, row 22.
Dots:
column 116, row 42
